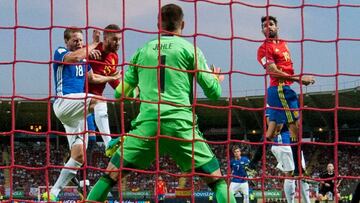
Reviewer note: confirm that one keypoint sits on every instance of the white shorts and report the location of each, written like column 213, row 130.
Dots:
column 285, row 159
column 243, row 188
column 71, row 112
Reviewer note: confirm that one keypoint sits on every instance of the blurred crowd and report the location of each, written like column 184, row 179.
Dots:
column 30, row 159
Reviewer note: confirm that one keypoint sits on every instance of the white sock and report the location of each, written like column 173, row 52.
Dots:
column 102, row 121
column 106, row 140
column 246, row 198
column 65, row 176
column 305, row 193
column 289, row 189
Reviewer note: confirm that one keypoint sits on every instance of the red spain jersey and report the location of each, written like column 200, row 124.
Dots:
column 106, row 66
column 276, row 52
column 160, row 187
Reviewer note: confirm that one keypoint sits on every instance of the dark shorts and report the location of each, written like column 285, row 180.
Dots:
column 161, row 197
column 325, row 190
column 282, row 97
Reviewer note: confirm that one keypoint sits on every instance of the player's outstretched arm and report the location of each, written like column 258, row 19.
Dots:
column 98, row 79
column 80, row 54
column 276, row 72
column 208, row 79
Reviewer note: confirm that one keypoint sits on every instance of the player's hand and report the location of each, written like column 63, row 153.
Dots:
column 327, row 184
column 95, row 54
column 308, row 80
column 96, row 36
column 217, row 74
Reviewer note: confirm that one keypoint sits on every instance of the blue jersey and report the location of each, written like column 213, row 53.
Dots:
column 69, row 78
column 238, row 169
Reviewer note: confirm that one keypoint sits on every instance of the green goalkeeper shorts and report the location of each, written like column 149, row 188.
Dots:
column 140, row 152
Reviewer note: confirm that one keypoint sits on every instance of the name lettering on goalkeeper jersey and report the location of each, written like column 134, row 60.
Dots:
column 163, row 46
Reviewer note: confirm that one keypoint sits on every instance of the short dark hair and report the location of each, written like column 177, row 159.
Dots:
column 69, row 31
column 235, row 147
column 111, row 28
column 265, row 18
column 171, row 17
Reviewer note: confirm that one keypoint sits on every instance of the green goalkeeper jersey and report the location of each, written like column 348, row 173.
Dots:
column 173, row 82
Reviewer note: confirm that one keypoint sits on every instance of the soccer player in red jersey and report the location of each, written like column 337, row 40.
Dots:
column 105, row 63
column 274, row 56
column 161, row 189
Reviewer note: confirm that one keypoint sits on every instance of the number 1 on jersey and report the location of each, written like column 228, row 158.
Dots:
column 162, row 73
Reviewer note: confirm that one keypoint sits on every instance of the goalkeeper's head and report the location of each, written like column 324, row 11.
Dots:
column 171, row 18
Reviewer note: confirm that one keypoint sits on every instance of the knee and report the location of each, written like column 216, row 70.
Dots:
column 92, row 105
column 114, row 173
column 288, row 174
column 114, row 176
column 79, row 157
column 214, row 183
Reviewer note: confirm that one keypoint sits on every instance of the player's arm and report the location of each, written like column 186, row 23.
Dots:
column 130, row 81
column 266, row 59
column 80, row 54
column 338, row 183
column 111, row 61
column 98, row 79
column 128, row 90
column 277, row 73
column 209, row 82
column 114, row 84
column 247, row 161
column 322, row 182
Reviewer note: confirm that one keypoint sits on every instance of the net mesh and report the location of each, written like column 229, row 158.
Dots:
column 331, row 141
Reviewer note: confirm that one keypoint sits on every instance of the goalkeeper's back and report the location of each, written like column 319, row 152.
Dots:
column 166, row 75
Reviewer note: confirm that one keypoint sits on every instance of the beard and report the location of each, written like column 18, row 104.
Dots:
column 271, row 34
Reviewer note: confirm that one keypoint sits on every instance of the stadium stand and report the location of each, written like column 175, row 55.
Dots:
column 30, row 154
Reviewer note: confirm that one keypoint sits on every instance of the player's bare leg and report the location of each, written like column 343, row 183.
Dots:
column 272, row 129
column 294, row 130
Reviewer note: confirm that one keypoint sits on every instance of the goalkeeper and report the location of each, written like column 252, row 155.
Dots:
column 173, row 89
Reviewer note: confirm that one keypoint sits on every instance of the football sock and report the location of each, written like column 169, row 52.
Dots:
column 65, row 176
column 246, row 198
column 221, row 191
column 101, row 189
column 305, row 191
column 289, row 189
